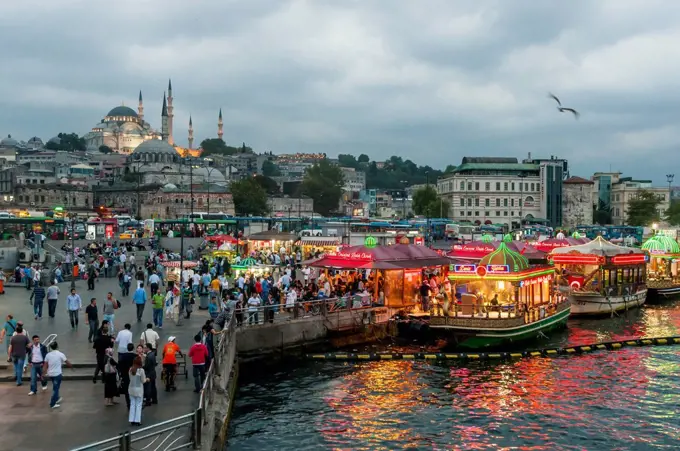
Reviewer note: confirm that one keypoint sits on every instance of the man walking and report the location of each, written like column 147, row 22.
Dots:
column 17, row 350
column 109, row 310
column 154, row 280
column 54, row 361
column 139, row 298
column 52, row 298
column 150, row 392
column 158, row 301
column 92, row 319
column 149, row 336
column 73, row 304
column 170, row 353
column 102, row 342
column 38, row 353
column 198, row 353
column 38, row 298
column 124, row 338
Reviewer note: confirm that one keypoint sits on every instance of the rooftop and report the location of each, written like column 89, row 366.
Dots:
column 489, row 160
column 486, row 167
column 578, row 181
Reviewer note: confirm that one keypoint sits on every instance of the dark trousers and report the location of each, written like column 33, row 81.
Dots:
column 37, row 308
column 199, row 377
column 94, row 325
column 150, row 393
column 140, row 311
column 124, row 385
column 154, row 288
column 73, row 316
column 170, row 370
column 51, row 307
column 101, row 361
column 126, row 289
column 90, row 283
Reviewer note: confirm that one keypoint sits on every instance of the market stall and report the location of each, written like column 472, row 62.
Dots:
column 271, row 242
column 500, row 299
column 663, row 281
column 173, row 271
column 316, row 246
column 393, row 274
column 600, row 277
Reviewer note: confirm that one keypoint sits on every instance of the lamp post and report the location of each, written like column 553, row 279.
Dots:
column 427, row 208
column 403, row 198
column 138, row 176
column 669, row 179
column 72, row 217
column 521, row 177
column 209, row 170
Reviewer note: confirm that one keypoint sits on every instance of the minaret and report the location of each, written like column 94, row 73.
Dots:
column 191, row 133
column 140, row 108
column 164, row 120
column 220, row 126
column 170, row 113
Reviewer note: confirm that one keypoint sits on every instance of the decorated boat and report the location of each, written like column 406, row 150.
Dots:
column 601, row 278
column 500, row 300
column 663, row 281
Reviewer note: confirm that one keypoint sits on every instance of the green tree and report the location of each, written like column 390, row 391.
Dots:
column 215, row 146
column 449, row 169
column 426, row 202
column 269, row 185
column 250, row 198
column 363, row 158
column 105, row 149
column 270, row 169
column 69, row 142
column 643, row 210
column 673, row 214
column 323, row 182
column 348, row 161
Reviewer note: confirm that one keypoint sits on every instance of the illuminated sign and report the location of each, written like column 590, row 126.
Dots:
column 481, row 271
column 577, row 259
column 465, row 269
column 370, row 242
column 629, row 259
column 351, row 255
column 497, row 269
column 536, row 280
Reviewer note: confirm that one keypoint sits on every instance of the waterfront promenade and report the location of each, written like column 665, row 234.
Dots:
column 29, row 424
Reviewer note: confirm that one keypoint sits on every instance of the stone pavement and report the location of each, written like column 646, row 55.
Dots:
column 28, row 423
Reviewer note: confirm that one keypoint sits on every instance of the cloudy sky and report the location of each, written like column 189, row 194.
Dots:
column 430, row 80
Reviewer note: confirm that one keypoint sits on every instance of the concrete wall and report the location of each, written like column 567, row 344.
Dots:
column 173, row 244
column 280, row 335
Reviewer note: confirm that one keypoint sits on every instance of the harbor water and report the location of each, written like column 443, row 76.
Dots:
column 611, row 400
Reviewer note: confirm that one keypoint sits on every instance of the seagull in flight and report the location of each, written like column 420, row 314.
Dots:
column 562, row 109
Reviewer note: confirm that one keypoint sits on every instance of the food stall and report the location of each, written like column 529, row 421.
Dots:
column 173, row 272
column 271, row 241
column 393, row 274
column 600, row 277
column 250, row 266
column 317, row 245
column 663, row 281
column 499, row 300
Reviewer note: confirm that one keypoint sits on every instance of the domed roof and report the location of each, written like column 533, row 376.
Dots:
column 209, row 174
column 9, row 142
column 504, row 256
column 155, row 146
column 170, row 187
column 55, row 140
column 661, row 244
column 35, row 139
column 122, row 111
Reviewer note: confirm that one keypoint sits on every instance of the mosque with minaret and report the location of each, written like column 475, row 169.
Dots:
column 124, row 130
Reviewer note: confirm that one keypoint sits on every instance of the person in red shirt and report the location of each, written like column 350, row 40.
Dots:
column 198, row 353
column 170, row 353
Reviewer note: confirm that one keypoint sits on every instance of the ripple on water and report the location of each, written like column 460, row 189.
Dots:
column 626, row 400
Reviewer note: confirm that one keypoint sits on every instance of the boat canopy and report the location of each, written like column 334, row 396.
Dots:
column 599, row 247
column 661, row 244
column 503, row 256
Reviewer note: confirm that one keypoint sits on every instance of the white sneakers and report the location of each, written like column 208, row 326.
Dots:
column 31, row 393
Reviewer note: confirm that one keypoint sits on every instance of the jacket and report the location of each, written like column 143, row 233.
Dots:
column 150, row 365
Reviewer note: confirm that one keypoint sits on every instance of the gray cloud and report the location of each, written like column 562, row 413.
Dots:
column 432, row 80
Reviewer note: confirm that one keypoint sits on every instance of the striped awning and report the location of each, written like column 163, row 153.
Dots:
column 318, row 241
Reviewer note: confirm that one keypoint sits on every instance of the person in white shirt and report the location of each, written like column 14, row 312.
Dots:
column 150, row 336
column 253, row 307
column 123, row 260
column 133, row 266
column 122, row 339
column 241, row 282
column 196, row 283
column 291, row 298
column 154, row 281
column 54, row 361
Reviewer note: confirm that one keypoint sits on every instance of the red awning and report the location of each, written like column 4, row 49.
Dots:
column 224, row 238
column 399, row 256
column 477, row 249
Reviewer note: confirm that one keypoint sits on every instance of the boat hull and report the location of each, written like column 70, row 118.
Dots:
column 658, row 294
column 481, row 336
column 586, row 304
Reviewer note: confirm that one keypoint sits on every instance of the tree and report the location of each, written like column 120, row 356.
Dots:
column 269, row 185
column 673, row 214
column 426, row 202
column 105, row 149
column 363, row 158
column 643, row 210
column 348, row 161
column 270, row 169
column 215, row 146
column 323, row 182
column 250, row 198
column 449, row 169
column 69, row 142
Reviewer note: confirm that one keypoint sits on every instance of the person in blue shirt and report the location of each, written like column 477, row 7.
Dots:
column 8, row 330
column 206, row 279
column 139, row 298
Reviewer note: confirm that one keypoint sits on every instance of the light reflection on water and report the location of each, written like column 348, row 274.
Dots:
column 625, row 400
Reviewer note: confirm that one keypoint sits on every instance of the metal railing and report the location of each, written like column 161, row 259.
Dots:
column 278, row 313
column 185, row 431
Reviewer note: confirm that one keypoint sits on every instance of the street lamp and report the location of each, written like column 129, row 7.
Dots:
column 138, row 161
column 72, row 219
column 521, row 177
column 669, row 179
column 209, row 170
column 403, row 197
column 427, row 209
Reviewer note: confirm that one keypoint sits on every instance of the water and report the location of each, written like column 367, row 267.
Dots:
column 624, row 400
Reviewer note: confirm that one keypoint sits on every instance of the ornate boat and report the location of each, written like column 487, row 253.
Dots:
column 663, row 281
column 500, row 300
column 601, row 278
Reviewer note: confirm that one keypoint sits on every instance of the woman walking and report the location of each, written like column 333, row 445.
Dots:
column 136, row 391
column 110, row 378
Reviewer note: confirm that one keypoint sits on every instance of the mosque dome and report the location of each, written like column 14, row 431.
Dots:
column 35, row 140
column 155, row 146
column 212, row 175
column 55, row 140
column 170, row 187
column 9, row 142
column 122, row 111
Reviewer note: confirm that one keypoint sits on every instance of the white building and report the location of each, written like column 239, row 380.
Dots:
column 577, row 204
column 355, row 181
column 492, row 191
column 291, row 206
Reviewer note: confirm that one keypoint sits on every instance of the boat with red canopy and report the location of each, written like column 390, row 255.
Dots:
column 476, row 250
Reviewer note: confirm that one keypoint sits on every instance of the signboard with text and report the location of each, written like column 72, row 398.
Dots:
column 497, row 269
column 465, row 269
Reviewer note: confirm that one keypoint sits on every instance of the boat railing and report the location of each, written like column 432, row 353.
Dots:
column 495, row 313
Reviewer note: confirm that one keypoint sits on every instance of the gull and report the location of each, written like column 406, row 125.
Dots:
column 553, row 96
column 571, row 110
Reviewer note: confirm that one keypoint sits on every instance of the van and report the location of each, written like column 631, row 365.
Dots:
column 122, row 220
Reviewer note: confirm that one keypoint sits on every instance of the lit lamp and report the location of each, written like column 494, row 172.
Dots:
column 654, row 227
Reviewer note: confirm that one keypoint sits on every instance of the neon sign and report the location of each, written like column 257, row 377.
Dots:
column 536, row 280
column 629, row 259
column 351, row 255
column 465, row 269
column 497, row 269
column 574, row 259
